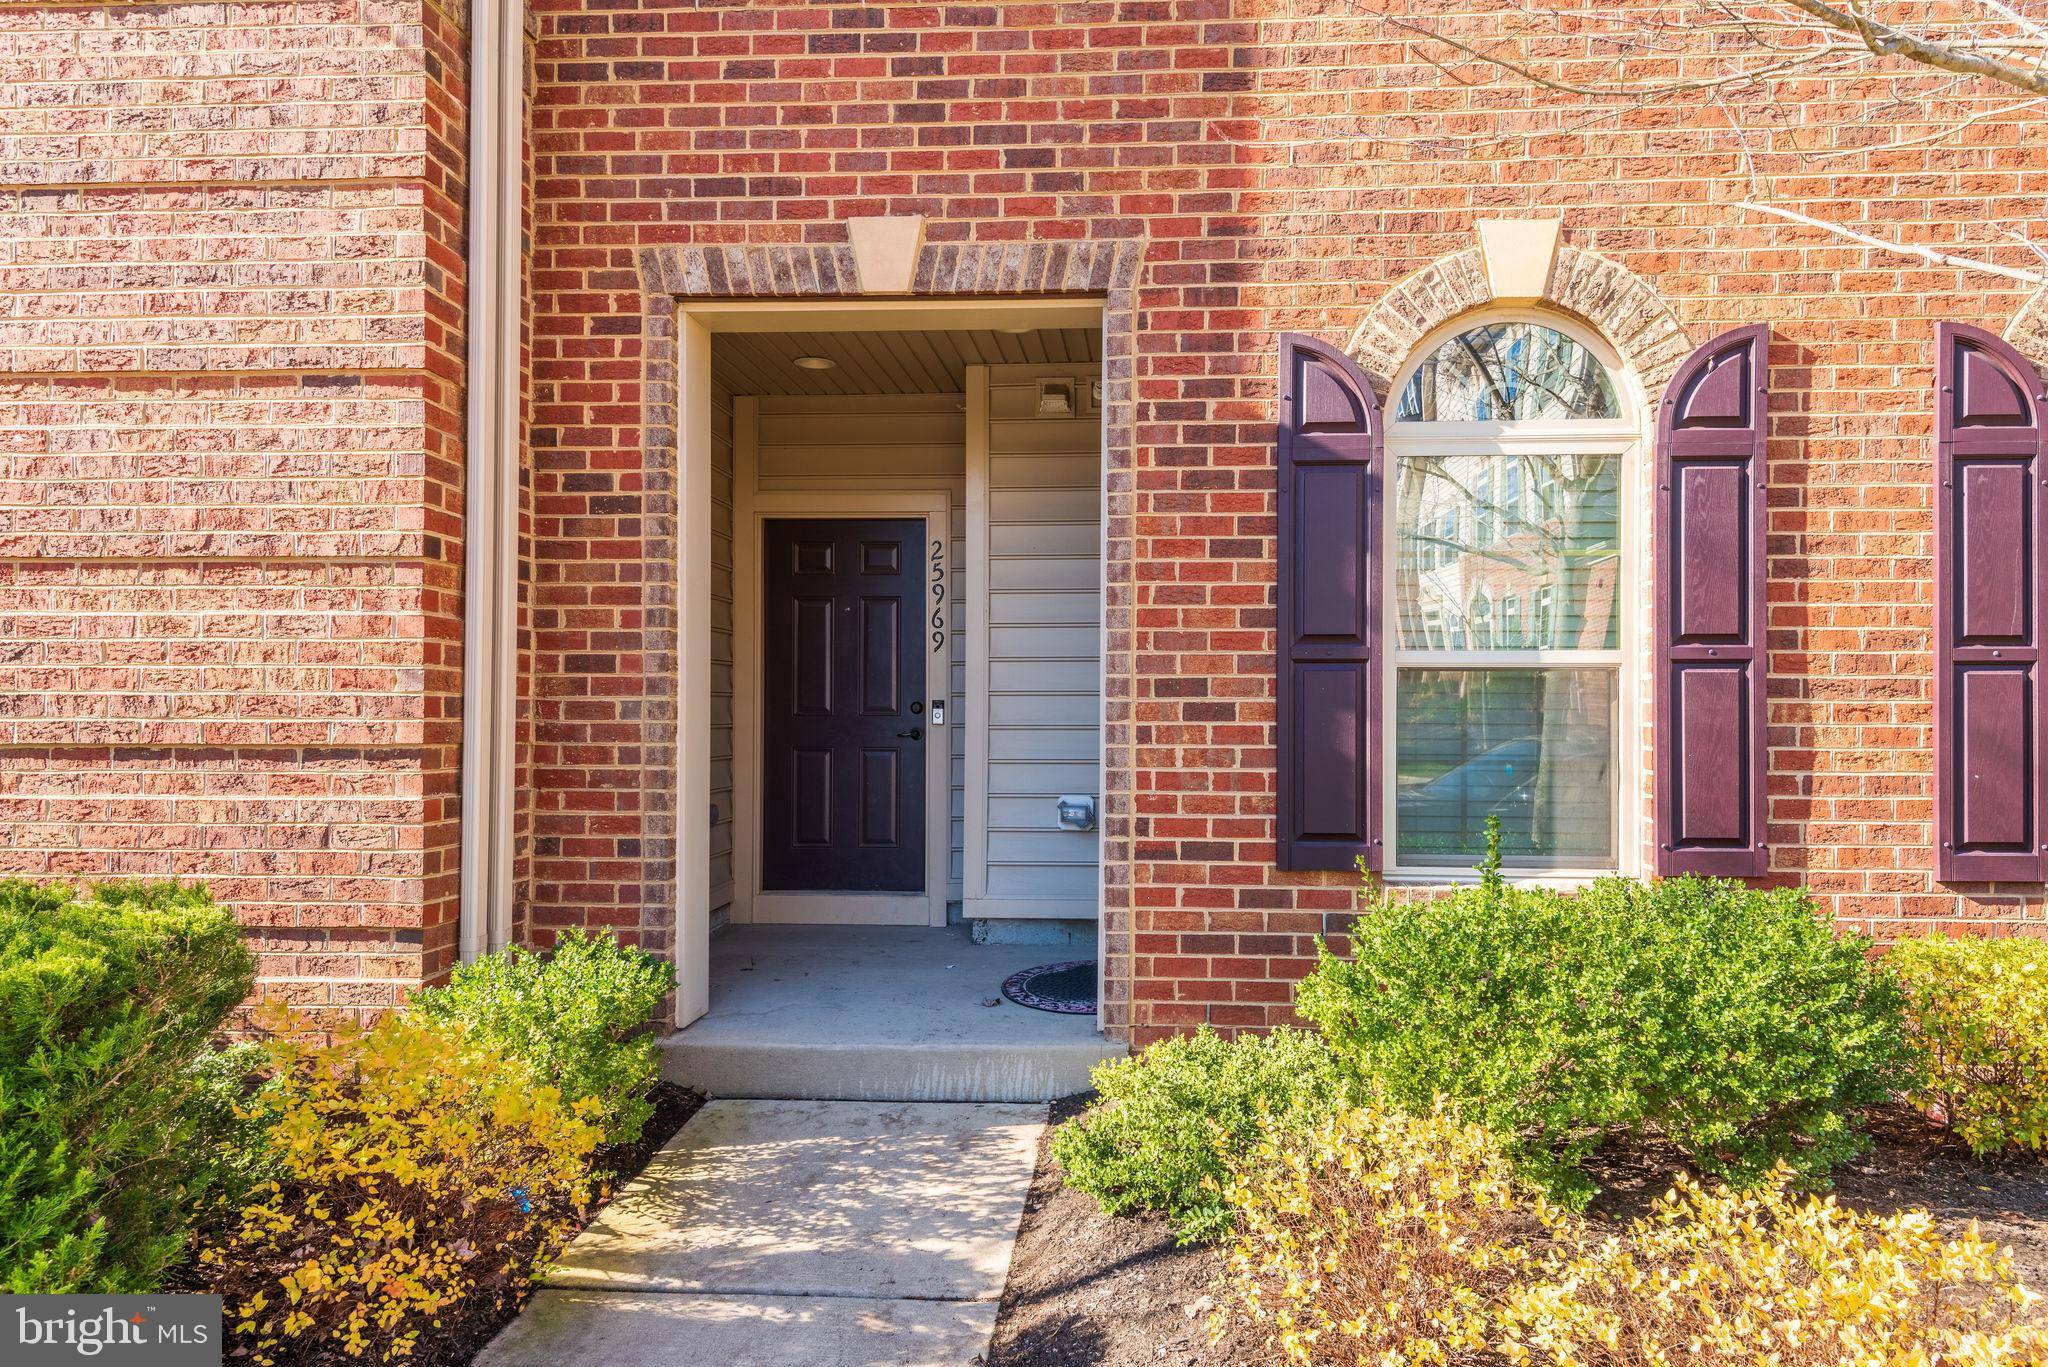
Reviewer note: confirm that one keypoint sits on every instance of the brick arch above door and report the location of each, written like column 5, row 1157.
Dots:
column 1616, row 301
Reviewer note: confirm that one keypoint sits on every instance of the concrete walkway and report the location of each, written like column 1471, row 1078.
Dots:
column 796, row 1234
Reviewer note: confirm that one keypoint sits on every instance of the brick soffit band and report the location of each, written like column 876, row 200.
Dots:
column 672, row 277
column 1619, row 303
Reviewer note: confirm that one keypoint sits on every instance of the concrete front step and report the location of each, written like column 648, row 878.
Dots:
column 843, row 1070
column 866, row 1013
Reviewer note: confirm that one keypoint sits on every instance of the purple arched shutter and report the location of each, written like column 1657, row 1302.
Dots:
column 1988, row 503
column 1328, row 567
column 1711, row 661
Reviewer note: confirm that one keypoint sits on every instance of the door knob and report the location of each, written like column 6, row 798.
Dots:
column 914, row 733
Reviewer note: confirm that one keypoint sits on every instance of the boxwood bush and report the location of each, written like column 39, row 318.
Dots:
column 1728, row 1019
column 1170, row 1119
column 106, row 998
column 578, row 1015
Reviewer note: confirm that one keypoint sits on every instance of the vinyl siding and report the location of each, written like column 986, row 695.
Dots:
column 1042, row 720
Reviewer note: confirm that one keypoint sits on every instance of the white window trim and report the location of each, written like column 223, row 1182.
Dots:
column 1627, row 439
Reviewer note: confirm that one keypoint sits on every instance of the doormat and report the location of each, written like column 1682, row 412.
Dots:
column 1066, row 988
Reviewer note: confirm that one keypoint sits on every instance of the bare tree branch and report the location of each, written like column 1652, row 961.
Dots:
column 1927, row 254
column 1734, row 55
column 1888, row 41
column 1929, row 139
column 1608, row 92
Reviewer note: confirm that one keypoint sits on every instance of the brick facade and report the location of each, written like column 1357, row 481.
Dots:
column 230, row 467
column 230, row 612
column 1284, row 167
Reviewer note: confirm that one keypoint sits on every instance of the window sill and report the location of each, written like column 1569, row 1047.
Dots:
column 1558, row 880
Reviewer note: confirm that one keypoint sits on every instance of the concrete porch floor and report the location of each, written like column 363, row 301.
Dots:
column 879, row 1013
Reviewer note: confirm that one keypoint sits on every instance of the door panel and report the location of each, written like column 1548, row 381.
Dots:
column 843, row 800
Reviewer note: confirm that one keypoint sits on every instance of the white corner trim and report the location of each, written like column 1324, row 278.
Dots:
column 695, row 478
column 746, row 695
column 974, row 704
column 490, row 578
column 885, row 251
column 1519, row 253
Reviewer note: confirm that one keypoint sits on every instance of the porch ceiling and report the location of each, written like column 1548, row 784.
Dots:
column 886, row 362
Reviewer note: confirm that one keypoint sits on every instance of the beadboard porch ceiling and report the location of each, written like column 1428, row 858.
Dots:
column 887, row 362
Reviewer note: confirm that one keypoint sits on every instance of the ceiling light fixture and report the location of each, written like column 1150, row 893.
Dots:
column 816, row 362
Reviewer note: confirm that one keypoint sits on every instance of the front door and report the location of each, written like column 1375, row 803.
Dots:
column 844, row 725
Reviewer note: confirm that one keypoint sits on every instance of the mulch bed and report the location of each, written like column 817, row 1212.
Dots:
column 464, row 1332
column 1085, row 1289
column 1914, row 1164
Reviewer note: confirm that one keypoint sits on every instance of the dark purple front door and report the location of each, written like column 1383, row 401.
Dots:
column 844, row 724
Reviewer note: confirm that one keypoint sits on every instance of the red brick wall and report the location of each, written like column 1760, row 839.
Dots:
column 230, row 411
column 1283, row 164
column 230, row 456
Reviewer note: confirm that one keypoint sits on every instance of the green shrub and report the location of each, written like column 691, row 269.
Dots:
column 105, row 998
column 579, row 1015
column 1728, row 1019
column 1977, row 1018
column 1171, row 1118
column 227, row 1085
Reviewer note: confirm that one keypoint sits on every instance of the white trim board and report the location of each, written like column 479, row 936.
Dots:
column 1034, row 908
column 491, row 454
column 695, row 478
column 974, row 840
column 695, row 324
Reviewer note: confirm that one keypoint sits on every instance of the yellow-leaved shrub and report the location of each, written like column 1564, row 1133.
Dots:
column 1977, row 1018
column 1379, row 1238
column 1376, row 1237
column 414, row 1170
column 1720, row 1278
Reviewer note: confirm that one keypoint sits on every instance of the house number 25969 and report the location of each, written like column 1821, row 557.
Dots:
column 938, row 568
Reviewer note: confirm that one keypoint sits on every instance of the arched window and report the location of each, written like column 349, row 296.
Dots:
column 1511, row 461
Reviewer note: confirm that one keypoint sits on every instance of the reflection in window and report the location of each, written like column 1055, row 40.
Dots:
column 1506, row 594
column 1533, row 747
column 1560, row 547
column 1508, row 372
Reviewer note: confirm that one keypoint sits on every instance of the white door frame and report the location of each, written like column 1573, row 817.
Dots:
column 750, row 902
column 694, row 478
column 695, row 326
